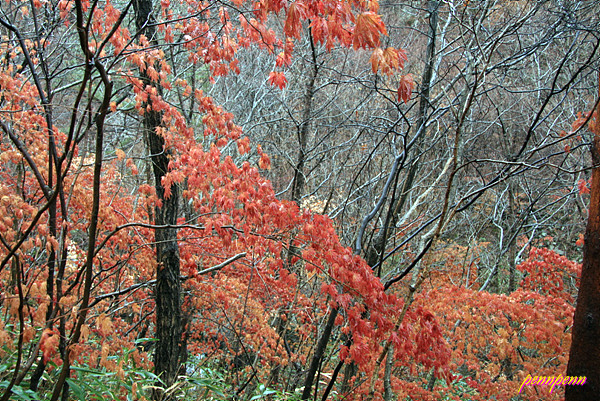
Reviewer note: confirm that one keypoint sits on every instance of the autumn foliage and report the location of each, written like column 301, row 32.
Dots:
column 259, row 274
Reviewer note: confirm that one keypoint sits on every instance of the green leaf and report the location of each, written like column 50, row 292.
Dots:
column 77, row 390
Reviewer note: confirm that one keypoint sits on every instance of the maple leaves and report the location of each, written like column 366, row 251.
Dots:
column 495, row 340
column 234, row 209
column 268, row 303
column 336, row 21
column 405, row 88
column 368, row 30
column 550, row 274
column 388, row 60
column 296, row 12
column 278, row 79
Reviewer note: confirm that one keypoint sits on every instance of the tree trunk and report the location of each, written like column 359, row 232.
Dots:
column 318, row 355
column 169, row 352
column 584, row 357
column 303, row 130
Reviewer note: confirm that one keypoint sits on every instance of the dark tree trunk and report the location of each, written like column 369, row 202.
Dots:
column 584, row 358
column 167, row 357
column 169, row 346
column 318, row 355
column 303, row 130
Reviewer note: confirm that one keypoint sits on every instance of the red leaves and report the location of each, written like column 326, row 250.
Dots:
column 278, row 79
column 48, row 344
column 583, row 186
column 295, row 12
column 284, row 59
column 236, row 207
column 405, row 88
column 369, row 27
column 485, row 330
column 319, row 29
column 431, row 348
column 580, row 241
column 344, row 351
column 64, row 6
column 547, row 272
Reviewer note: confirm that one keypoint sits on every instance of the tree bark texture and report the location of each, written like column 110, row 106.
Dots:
column 584, row 357
column 169, row 352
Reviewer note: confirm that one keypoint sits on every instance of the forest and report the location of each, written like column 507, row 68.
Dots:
column 299, row 200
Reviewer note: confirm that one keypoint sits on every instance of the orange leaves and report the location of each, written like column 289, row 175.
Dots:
column 104, row 362
column 387, row 61
column 547, row 273
column 377, row 60
column 104, row 325
column 130, row 163
column 580, row 241
column 278, row 79
column 405, row 88
column 120, row 154
column 367, row 31
column 48, row 344
column 264, row 162
column 283, row 59
column 243, row 145
column 583, row 186
column 152, row 73
column 235, row 209
column 488, row 331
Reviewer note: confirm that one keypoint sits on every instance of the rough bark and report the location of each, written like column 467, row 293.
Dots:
column 169, row 347
column 584, row 357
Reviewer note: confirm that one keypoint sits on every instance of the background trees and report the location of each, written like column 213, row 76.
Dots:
column 411, row 242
